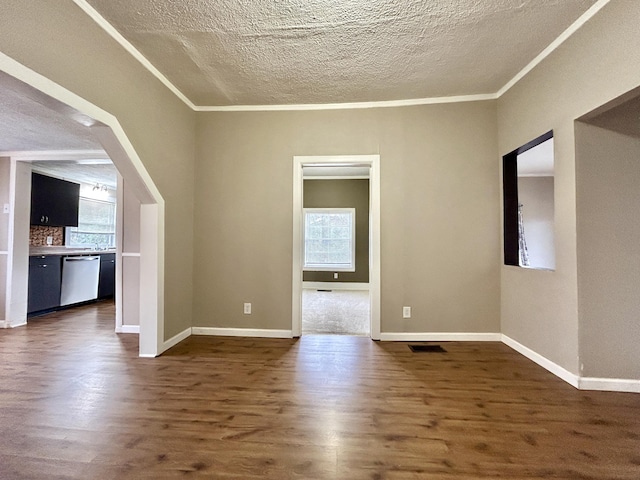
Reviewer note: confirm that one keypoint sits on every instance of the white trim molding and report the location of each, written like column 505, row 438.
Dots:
column 337, row 177
column 439, row 337
column 573, row 28
column 373, row 161
column 241, row 332
column 128, row 329
column 560, row 372
column 108, row 131
column 8, row 324
column 610, row 384
column 119, row 242
column 22, row 323
column 176, row 339
column 335, row 286
column 349, row 106
column 130, row 254
column 581, row 383
column 135, row 53
column 349, row 212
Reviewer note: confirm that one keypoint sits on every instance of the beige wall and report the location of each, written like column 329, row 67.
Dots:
column 61, row 42
column 5, row 172
column 536, row 196
column 598, row 63
column 5, row 169
column 608, row 176
column 352, row 193
column 130, row 264
column 439, row 212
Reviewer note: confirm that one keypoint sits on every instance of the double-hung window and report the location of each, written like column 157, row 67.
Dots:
column 329, row 239
column 96, row 225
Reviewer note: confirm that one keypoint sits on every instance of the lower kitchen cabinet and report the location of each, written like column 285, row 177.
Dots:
column 45, row 279
column 107, row 284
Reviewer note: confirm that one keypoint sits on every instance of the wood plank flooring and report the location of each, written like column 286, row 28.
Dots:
column 76, row 402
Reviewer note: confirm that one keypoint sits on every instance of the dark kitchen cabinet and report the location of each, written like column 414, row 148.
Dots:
column 45, row 279
column 54, row 202
column 107, row 284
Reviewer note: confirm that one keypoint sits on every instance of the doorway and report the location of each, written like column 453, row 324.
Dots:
column 71, row 109
column 328, row 300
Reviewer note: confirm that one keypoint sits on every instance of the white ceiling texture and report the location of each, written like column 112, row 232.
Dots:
column 279, row 52
column 32, row 121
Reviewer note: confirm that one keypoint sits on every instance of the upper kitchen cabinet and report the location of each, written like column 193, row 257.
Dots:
column 54, row 202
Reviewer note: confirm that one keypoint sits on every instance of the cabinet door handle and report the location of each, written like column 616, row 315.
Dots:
column 47, row 218
column 42, row 266
column 42, row 219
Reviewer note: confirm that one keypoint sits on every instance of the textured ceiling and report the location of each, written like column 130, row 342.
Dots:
column 32, row 121
column 102, row 172
column 266, row 52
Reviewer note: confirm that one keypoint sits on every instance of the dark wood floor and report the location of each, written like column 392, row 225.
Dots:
column 76, row 402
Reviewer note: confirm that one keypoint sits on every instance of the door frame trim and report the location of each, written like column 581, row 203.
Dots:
column 373, row 161
column 110, row 133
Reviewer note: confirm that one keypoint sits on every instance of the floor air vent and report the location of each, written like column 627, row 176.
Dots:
column 427, row 348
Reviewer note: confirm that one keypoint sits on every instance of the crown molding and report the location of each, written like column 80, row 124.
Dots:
column 349, row 106
column 133, row 51
column 573, row 28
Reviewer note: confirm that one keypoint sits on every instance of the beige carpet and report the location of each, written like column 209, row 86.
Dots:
column 339, row 312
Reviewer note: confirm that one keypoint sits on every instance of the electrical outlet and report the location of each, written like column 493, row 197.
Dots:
column 406, row 312
column 49, row 240
column 247, row 309
column 335, row 276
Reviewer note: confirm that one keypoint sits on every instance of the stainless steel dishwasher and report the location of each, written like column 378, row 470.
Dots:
column 79, row 279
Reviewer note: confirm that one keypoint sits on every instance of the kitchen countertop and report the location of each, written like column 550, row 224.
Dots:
column 57, row 250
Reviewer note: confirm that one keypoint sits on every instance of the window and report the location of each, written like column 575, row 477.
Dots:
column 96, row 225
column 329, row 239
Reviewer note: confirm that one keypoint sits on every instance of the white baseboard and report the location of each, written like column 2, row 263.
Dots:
column 335, row 286
column 3, row 324
column 241, row 332
column 9, row 325
column 581, row 383
column 561, row 372
column 439, row 337
column 128, row 329
column 176, row 339
column 610, row 384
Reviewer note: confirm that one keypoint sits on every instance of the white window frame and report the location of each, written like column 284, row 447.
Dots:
column 112, row 235
column 329, row 267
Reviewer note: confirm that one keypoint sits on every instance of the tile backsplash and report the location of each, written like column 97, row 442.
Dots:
column 39, row 233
